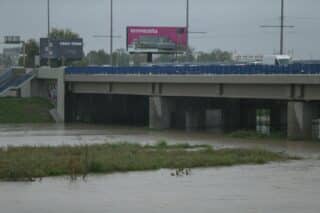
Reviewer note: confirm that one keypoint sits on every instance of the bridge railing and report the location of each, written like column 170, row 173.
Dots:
column 199, row 70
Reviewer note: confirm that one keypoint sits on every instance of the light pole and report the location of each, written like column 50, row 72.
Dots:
column 282, row 28
column 111, row 32
column 187, row 22
column 48, row 7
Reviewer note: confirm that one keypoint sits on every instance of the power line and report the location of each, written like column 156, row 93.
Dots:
column 282, row 27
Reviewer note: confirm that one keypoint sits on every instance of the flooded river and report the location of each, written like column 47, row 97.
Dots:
column 278, row 187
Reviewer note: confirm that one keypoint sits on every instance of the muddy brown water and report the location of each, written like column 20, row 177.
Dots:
column 277, row 187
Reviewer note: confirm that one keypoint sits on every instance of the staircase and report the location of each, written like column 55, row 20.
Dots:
column 13, row 79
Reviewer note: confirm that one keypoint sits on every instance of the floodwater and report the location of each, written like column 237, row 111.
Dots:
column 292, row 187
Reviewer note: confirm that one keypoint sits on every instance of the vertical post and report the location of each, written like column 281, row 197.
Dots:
column 111, row 32
column 187, row 22
column 149, row 58
column 24, row 54
column 49, row 62
column 282, row 28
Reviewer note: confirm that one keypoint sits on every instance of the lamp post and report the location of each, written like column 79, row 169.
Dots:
column 48, row 13
column 111, row 32
column 187, row 22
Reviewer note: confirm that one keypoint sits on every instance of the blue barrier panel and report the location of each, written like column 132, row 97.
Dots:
column 198, row 70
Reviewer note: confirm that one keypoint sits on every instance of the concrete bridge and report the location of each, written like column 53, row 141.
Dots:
column 190, row 98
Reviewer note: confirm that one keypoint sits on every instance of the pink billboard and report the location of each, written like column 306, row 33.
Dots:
column 156, row 39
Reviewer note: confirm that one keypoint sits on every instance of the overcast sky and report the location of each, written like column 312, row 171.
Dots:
column 231, row 25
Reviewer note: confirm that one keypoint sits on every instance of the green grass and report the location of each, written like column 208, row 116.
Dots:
column 27, row 163
column 25, row 110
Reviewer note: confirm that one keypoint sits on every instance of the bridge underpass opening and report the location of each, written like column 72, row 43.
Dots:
column 218, row 115
column 107, row 109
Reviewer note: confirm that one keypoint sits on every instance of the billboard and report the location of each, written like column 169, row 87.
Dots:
column 61, row 49
column 156, row 39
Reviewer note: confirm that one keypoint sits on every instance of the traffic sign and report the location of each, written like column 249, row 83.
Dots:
column 12, row 40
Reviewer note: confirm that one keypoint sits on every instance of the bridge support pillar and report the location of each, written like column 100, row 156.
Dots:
column 300, row 115
column 194, row 120
column 61, row 96
column 231, row 116
column 160, row 110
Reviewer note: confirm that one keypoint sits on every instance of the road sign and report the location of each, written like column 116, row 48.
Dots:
column 12, row 40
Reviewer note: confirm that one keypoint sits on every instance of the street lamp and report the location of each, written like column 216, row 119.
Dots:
column 111, row 32
column 187, row 22
column 48, row 7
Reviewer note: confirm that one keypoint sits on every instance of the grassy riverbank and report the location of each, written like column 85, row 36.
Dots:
column 25, row 110
column 27, row 163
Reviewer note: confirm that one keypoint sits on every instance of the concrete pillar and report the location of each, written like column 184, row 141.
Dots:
column 160, row 109
column 231, row 116
column 194, row 120
column 214, row 120
column 61, row 96
column 39, row 87
column 25, row 90
column 300, row 116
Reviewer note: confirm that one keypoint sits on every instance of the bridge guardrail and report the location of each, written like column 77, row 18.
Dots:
column 200, row 70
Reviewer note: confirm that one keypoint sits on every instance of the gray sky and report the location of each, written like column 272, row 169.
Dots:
column 231, row 24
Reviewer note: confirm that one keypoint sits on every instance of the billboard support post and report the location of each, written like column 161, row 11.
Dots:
column 24, row 54
column 149, row 58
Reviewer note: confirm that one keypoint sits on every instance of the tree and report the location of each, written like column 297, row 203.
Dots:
column 216, row 55
column 82, row 63
column 65, row 34
column 99, row 58
column 32, row 50
column 121, row 57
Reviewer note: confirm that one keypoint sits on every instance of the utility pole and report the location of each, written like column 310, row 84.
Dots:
column 282, row 27
column 49, row 49
column 187, row 22
column 111, row 32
